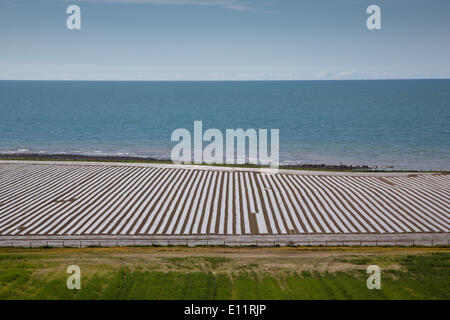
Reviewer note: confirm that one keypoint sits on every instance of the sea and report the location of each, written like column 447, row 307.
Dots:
column 392, row 124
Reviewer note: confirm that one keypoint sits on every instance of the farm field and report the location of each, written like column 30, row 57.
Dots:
column 225, row 273
column 122, row 200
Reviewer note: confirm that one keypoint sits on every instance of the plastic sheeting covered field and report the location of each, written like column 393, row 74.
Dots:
column 112, row 199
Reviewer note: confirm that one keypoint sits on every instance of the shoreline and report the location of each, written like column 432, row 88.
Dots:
column 137, row 159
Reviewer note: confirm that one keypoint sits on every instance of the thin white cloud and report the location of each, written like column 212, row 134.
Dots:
column 321, row 74
column 237, row 5
column 352, row 74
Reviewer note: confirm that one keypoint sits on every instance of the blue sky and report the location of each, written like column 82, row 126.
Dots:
column 224, row 40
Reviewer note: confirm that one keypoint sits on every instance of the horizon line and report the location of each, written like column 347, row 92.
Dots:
column 221, row 80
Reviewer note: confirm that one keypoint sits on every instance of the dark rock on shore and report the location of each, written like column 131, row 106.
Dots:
column 328, row 167
column 112, row 158
column 76, row 157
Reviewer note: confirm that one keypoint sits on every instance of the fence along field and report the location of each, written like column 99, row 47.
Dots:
column 58, row 199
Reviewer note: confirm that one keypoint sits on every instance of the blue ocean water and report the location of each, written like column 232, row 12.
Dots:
column 400, row 123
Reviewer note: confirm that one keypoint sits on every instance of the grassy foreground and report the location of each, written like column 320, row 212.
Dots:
column 225, row 273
